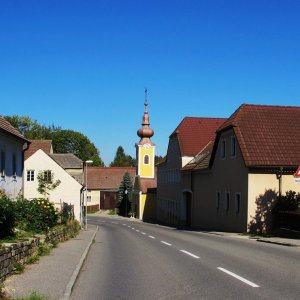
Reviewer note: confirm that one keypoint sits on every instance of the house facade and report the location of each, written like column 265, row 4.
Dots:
column 253, row 159
column 190, row 136
column 12, row 144
column 69, row 190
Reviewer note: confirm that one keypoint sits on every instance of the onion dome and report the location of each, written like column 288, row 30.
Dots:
column 145, row 131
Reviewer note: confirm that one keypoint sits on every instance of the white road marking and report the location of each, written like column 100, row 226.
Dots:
column 137, row 230
column 143, row 233
column 239, row 277
column 129, row 226
column 124, row 224
column 166, row 243
column 189, row 253
column 133, row 228
column 151, row 237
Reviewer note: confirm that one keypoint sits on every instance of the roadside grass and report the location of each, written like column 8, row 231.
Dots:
column 34, row 296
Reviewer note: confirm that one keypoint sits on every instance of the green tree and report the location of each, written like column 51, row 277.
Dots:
column 46, row 182
column 157, row 158
column 69, row 141
column 124, row 195
column 64, row 141
column 122, row 160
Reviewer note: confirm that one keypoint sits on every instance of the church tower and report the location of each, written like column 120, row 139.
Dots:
column 145, row 149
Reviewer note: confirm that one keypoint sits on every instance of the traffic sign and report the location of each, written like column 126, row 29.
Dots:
column 297, row 174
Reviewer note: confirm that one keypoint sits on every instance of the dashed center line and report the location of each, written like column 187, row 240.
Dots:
column 143, row 233
column 151, row 237
column 189, row 253
column 137, row 230
column 239, row 277
column 166, row 243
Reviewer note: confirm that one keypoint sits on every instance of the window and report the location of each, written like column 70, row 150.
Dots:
column 47, row 175
column 146, row 159
column 237, row 203
column 14, row 165
column 2, row 163
column 89, row 198
column 227, row 199
column 30, row 175
column 223, row 149
column 218, row 198
column 233, row 146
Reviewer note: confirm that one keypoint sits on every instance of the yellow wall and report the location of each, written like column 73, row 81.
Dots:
column 148, row 206
column 146, row 170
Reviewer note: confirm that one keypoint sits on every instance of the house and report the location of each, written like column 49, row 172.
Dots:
column 12, row 143
column 103, row 185
column 190, row 136
column 253, row 158
column 144, row 198
column 64, row 167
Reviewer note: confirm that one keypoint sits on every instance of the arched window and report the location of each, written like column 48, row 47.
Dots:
column 146, row 159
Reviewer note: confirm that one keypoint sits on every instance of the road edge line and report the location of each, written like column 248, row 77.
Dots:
column 74, row 276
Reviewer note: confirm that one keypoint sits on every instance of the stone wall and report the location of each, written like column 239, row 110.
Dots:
column 18, row 253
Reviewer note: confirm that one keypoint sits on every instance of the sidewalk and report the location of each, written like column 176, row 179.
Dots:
column 54, row 275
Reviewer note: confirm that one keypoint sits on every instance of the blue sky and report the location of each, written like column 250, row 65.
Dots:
column 83, row 64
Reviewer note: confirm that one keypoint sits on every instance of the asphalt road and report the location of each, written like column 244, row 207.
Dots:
column 134, row 260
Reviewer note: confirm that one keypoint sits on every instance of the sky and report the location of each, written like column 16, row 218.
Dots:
column 84, row 64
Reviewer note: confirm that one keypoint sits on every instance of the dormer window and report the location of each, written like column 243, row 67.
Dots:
column 223, row 149
column 233, row 146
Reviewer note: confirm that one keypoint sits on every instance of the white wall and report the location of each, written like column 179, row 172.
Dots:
column 69, row 189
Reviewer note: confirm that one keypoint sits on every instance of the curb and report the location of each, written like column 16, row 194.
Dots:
column 74, row 276
column 277, row 243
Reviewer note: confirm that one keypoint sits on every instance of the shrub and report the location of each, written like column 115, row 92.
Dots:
column 7, row 216
column 289, row 202
column 41, row 215
column 22, row 210
column 67, row 213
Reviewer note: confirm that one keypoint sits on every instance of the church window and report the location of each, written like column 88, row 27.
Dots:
column 146, row 159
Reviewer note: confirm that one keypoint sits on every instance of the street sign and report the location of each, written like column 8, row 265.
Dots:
column 297, row 174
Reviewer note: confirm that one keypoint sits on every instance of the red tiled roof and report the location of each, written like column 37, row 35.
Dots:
column 267, row 135
column 7, row 127
column 108, row 178
column 35, row 145
column 145, row 185
column 194, row 133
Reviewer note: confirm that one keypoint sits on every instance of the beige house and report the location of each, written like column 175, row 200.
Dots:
column 190, row 136
column 231, row 182
column 64, row 167
column 103, row 185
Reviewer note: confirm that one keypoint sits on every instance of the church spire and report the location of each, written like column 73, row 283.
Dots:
column 145, row 132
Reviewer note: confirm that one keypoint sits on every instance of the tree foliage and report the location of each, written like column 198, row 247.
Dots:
column 46, row 182
column 122, row 160
column 64, row 141
column 124, row 195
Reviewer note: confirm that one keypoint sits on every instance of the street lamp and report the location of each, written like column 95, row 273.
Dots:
column 87, row 162
column 126, row 192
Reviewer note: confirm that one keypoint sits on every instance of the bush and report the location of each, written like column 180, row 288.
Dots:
column 7, row 216
column 289, row 202
column 67, row 213
column 22, row 211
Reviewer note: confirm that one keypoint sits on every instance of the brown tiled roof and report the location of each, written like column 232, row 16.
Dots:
column 67, row 160
column 7, row 127
column 267, row 135
column 145, row 185
column 201, row 160
column 108, row 178
column 194, row 133
column 35, row 145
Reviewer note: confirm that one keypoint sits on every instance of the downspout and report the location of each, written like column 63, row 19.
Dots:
column 279, row 177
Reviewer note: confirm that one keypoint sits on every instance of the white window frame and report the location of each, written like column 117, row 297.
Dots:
column 30, row 175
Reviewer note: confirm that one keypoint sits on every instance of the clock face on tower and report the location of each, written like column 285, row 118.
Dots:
column 147, row 146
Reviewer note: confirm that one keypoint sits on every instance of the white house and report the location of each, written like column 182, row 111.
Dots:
column 69, row 190
column 11, row 159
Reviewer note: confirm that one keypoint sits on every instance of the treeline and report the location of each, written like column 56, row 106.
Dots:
column 63, row 141
column 69, row 141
